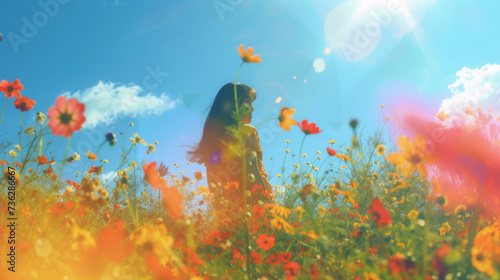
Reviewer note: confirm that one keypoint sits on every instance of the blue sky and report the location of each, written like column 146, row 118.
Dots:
column 160, row 63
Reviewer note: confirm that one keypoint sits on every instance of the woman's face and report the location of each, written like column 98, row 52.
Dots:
column 248, row 117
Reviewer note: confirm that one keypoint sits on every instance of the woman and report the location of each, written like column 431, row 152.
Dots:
column 218, row 149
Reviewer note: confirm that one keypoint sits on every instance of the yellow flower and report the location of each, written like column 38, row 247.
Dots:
column 401, row 245
column 40, row 117
column 486, row 250
column 460, row 209
column 29, row 130
column 288, row 141
column 105, row 161
column 279, row 223
column 247, row 56
column 444, row 229
column 282, row 211
column 413, row 214
column 82, row 238
column 137, row 140
column 331, row 141
column 12, row 153
column 156, row 142
column 382, row 106
column 370, row 276
column 285, row 119
column 388, row 119
column 131, row 124
column 311, row 233
column 151, row 148
column 299, row 211
column 321, row 210
column 413, row 155
column 447, row 226
column 381, row 150
column 345, row 158
column 150, row 238
column 18, row 147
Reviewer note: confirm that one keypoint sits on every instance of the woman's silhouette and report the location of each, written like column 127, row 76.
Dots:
column 221, row 161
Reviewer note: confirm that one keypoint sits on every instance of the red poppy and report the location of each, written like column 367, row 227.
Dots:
column 274, row 259
column 258, row 211
column 66, row 117
column 11, row 89
column 265, row 242
column 24, row 104
column 291, row 269
column 331, row 152
column 238, row 259
column 313, row 272
column 285, row 257
column 255, row 257
column 379, row 214
column 309, row 128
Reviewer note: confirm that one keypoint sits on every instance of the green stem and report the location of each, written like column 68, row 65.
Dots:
column 65, row 156
column 472, row 233
column 235, row 93
column 301, row 145
column 3, row 111
column 100, row 146
column 264, row 121
column 20, row 133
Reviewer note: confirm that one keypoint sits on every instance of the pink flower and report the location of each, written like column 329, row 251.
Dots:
column 66, row 117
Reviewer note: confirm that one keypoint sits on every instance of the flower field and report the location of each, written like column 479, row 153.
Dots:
column 369, row 209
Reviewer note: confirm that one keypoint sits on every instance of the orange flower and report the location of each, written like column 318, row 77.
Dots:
column 24, row 104
column 152, row 177
column 11, row 89
column 172, row 201
column 247, row 56
column 265, row 242
column 66, row 117
column 91, row 156
column 413, row 155
column 284, row 118
column 43, row 160
column 442, row 116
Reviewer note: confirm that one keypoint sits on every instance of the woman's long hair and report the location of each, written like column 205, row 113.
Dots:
column 219, row 117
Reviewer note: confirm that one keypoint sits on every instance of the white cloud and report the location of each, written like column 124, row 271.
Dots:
column 105, row 102
column 109, row 176
column 474, row 88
